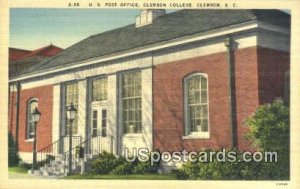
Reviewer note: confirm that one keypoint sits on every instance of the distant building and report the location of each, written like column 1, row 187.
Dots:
column 184, row 80
column 20, row 59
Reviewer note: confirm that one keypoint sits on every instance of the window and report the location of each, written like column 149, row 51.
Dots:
column 196, row 105
column 31, row 105
column 99, row 89
column 131, row 102
column 71, row 96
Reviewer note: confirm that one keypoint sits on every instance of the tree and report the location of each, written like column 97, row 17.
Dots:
column 269, row 129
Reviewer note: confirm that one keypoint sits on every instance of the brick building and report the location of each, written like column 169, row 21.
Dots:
column 184, row 80
column 21, row 59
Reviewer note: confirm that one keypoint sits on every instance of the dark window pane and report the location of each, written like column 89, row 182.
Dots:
column 104, row 114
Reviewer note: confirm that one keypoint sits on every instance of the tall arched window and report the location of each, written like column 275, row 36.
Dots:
column 31, row 105
column 196, row 105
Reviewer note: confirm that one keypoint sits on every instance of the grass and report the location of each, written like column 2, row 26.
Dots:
column 21, row 170
column 123, row 177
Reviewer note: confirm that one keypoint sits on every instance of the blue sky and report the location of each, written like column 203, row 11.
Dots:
column 35, row 28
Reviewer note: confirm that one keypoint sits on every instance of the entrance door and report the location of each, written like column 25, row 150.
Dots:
column 99, row 124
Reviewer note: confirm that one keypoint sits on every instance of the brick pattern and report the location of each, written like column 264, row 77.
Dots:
column 169, row 103
column 12, row 106
column 44, row 95
column 246, row 78
column 272, row 66
column 259, row 76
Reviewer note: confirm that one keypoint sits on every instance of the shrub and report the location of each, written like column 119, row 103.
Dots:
column 269, row 127
column 108, row 163
column 123, row 169
column 105, row 163
column 144, row 168
column 269, row 130
column 13, row 157
column 180, row 174
column 220, row 170
column 25, row 165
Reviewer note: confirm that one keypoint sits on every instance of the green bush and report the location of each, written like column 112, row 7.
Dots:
column 144, row 168
column 13, row 157
column 108, row 163
column 220, row 170
column 123, row 169
column 25, row 165
column 180, row 174
column 269, row 130
column 105, row 163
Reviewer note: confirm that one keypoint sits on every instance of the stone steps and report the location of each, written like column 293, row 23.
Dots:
column 57, row 167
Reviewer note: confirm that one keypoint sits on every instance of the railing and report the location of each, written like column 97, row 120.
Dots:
column 93, row 146
column 51, row 151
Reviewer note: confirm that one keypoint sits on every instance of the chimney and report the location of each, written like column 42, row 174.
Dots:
column 147, row 16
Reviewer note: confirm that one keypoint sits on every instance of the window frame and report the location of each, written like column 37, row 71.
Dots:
column 66, row 121
column 28, row 113
column 95, row 78
column 120, row 97
column 196, row 134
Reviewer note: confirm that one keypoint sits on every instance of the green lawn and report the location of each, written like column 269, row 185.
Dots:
column 21, row 170
column 123, row 177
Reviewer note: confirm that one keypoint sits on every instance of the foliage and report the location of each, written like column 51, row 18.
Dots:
column 104, row 163
column 13, row 156
column 270, row 131
column 108, row 163
column 24, row 165
column 180, row 174
column 123, row 169
column 144, row 168
column 221, row 170
column 269, row 127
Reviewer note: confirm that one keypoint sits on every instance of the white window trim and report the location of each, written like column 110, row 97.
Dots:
column 33, row 99
column 64, row 108
column 199, row 134
column 120, row 107
column 95, row 78
column 29, row 140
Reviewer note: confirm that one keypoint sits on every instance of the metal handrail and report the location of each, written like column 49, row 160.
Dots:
column 90, row 145
column 50, row 152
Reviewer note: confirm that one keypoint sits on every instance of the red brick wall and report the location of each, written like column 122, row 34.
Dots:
column 259, row 76
column 44, row 95
column 169, row 103
column 246, row 77
column 12, row 112
column 168, row 100
column 272, row 66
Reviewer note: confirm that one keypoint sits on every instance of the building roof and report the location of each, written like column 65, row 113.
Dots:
column 170, row 26
column 21, row 60
column 46, row 51
column 17, row 54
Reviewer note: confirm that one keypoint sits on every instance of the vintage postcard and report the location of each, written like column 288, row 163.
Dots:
column 150, row 94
